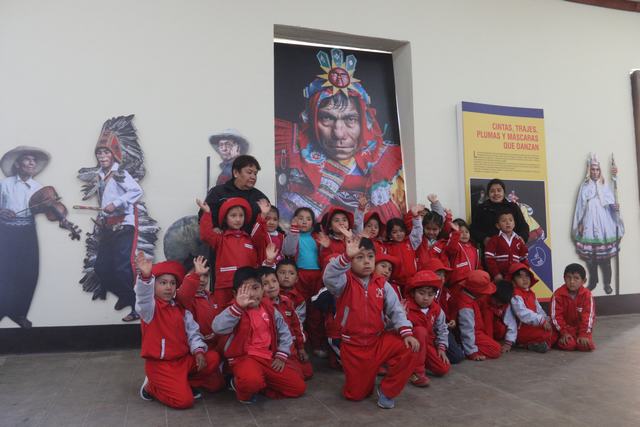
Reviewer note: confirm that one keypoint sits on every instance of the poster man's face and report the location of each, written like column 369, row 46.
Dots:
column 339, row 130
column 228, row 149
column 26, row 165
column 594, row 172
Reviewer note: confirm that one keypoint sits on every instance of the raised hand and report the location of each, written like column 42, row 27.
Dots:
column 345, row 232
column 454, row 226
column 352, row 246
column 264, row 206
column 323, row 240
column 433, row 198
column 200, row 265
column 243, row 297
column 271, row 252
column 203, row 205
column 416, row 209
column 144, row 264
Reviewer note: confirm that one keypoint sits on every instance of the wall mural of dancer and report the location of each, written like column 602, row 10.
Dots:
column 122, row 226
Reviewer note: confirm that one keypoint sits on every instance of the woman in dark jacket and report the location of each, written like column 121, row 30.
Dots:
column 483, row 224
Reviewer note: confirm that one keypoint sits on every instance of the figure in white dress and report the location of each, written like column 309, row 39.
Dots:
column 597, row 226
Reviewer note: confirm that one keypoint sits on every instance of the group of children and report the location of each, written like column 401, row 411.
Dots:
column 400, row 299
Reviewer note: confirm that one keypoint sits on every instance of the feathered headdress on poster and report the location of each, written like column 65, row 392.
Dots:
column 119, row 136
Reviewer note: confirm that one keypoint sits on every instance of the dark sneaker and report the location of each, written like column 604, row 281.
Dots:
column 144, row 394
column 197, row 394
column 384, row 402
column 538, row 347
column 608, row 289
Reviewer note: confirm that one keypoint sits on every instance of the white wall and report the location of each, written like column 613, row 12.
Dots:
column 189, row 68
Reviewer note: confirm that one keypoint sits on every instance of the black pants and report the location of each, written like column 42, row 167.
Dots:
column 114, row 263
column 592, row 267
column 19, row 266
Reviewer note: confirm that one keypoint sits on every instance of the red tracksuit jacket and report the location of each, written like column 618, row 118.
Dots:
column 461, row 255
column 233, row 248
column 360, row 306
column 335, row 247
column 287, row 308
column 425, row 252
column 434, row 322
column 468, row 317
column 201, row 304
column 500, row 253
column 236, row 323
column 575, row 316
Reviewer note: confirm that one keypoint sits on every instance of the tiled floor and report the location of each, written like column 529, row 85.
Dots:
column 520, row 389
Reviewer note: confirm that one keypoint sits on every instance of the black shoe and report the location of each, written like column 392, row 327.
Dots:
column 592, row 286
column 131, row 317
column 608, row 289
column 144, row 394
column 22, row 321
column 120, row 304
column 538, row 347
column 197, row 394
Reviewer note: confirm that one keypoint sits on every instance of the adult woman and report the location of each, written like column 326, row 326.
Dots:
column 483, row 224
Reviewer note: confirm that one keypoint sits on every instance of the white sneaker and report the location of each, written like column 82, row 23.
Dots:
column 321, row 353
column 144, row 394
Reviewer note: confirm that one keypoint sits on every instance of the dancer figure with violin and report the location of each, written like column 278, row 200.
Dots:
column 21, row 198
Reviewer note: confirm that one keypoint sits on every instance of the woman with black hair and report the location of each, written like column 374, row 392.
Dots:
column 485, row 216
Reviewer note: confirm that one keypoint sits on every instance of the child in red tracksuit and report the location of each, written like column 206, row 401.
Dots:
column 573, row 311
column 499, row 320
column 302, row 244
column 435, row 223
column 258, row 343
column 505, row 248
column 386, row 265
column 176, row 356
column 287, row 273
column 460, row 250
column 287, row 309
column 402, row 244
column 194, row 296
column 429, row 326
column 476, row 343
column 371, row 227
column 363, row 298
column 535, row 331
column 233, row 247
column 276, row 235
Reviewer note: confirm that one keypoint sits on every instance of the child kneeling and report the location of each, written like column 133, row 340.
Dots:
column 176, row 356
column 258, row 344
column 362, row 298
column 429, row 326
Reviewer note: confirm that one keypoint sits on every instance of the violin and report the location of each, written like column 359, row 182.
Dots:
column 47, row 201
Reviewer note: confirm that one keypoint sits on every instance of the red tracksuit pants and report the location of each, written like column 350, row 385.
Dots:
column 170, row 381
column 487, row 346
column 499, row 329
column 309, row 283
column 361, row 364
column 255, row 374
column 428, row 357
column 528, row 334
column 572, row 343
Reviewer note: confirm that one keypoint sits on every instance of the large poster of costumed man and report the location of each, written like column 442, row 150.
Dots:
column 336, row 143
column 597, row 226
column 122, row 225
column 21, row 199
